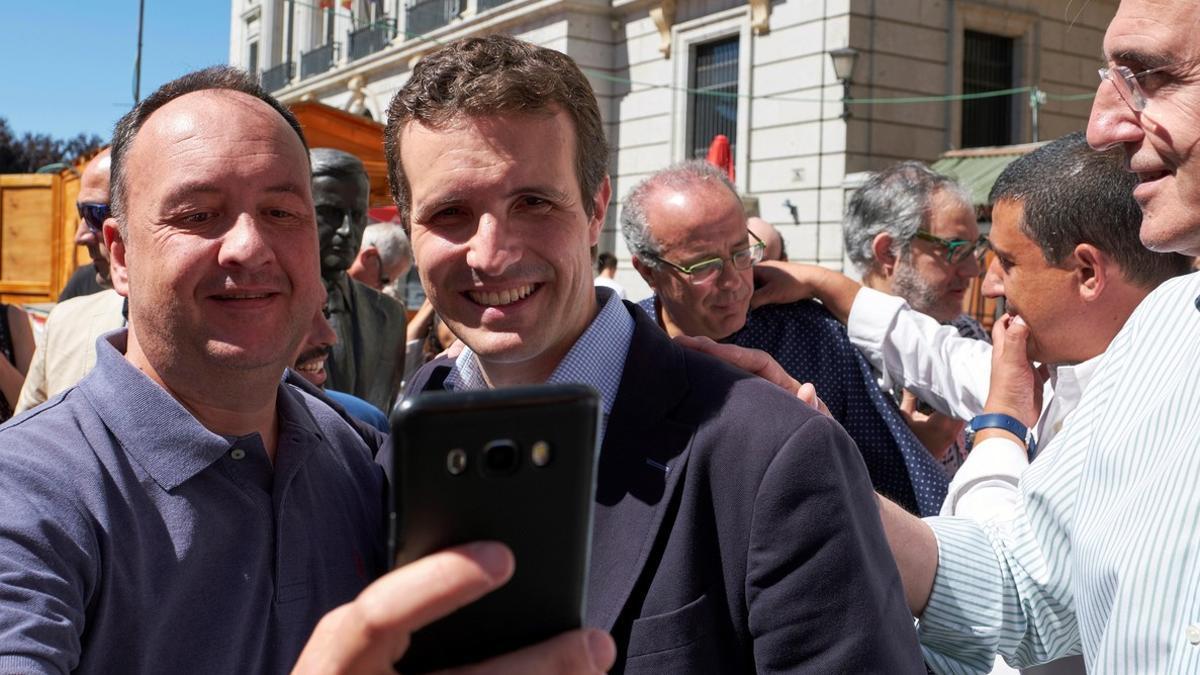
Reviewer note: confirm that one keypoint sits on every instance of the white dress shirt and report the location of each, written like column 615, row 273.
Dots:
column 1102, row 555
column 953, row 374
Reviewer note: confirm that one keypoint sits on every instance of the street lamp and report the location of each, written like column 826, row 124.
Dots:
column 843, row 67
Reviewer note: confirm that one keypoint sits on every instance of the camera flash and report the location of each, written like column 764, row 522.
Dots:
column 540, row 453
column 456, row 461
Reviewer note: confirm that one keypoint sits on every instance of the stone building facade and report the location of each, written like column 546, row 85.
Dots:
column 654, row 64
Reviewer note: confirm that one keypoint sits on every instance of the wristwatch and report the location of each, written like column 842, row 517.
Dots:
column 1001, row 421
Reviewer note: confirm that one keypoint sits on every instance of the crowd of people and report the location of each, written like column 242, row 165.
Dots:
column 799, row 471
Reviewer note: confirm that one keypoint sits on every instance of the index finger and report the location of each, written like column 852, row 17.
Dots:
column 427, row 589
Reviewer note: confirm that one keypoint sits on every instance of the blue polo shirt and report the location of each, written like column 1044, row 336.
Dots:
column 134, row 540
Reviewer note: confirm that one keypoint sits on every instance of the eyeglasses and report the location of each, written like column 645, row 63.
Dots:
column 1129, row 83
column 957, row 250
column 707, row 270
column 93, row 214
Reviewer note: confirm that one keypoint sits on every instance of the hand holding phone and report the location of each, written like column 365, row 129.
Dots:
column 513, row 465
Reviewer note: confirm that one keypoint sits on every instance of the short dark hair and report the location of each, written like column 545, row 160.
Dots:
column 494, row 75
column 606, row 261
column 214, row 77
column 1071, row 194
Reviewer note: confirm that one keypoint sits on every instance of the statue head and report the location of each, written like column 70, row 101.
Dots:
column 340, row 194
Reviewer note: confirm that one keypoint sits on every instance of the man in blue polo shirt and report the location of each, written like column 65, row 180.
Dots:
column 181, row 509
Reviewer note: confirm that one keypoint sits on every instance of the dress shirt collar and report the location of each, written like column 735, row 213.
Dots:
column 597, row 358
column 156, row 430
column 1069, row 382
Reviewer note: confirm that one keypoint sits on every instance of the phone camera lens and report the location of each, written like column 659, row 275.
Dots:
column 456, row 461
column 500, row 457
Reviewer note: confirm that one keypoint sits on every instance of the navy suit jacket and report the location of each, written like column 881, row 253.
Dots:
column 758, row 549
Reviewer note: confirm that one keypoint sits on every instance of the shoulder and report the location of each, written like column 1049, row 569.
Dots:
column 84, row 307
column 54, row 455
column 383, row 303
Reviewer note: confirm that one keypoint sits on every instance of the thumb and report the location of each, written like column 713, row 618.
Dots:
column 908, row 402
column 1016, row 339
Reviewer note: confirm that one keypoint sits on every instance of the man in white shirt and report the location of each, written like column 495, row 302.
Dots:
column 1069, row 264
column 1100, row 556
column 606, row 274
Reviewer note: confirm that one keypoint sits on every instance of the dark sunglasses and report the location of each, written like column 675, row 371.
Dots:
column 93, row 214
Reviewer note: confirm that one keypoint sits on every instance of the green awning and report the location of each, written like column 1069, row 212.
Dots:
column 977, row 174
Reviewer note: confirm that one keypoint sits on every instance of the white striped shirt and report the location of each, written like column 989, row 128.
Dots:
column 1103, row 553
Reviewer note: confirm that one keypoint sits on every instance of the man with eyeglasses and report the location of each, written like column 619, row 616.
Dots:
column 686, row 228
column 92, row 206
column 1067, row 261
column 734, row 528
column 66, row 347
column 912, row 234
column 1100, row 557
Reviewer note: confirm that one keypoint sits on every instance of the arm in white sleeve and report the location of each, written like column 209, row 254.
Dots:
column 944, row 369
column 985, row 486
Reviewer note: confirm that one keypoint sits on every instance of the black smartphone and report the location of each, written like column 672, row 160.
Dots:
column 515, row 465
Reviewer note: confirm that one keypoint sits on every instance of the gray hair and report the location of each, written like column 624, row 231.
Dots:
column 391, row 242
column 897, row 200
column 634, row 223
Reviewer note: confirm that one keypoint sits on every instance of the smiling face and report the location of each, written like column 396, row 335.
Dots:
column 924, row 277
column 341, row 206
column 310, row 363
column 1162, row 142
column 690, row 224
column 1040, row 293
column 219, row 250
column 501, row 237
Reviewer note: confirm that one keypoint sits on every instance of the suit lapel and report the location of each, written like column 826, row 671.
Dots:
column 641, row 463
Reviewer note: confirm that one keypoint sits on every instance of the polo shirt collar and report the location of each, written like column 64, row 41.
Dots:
column 162, row 436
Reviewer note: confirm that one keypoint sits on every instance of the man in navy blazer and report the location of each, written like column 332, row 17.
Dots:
column 735, row 528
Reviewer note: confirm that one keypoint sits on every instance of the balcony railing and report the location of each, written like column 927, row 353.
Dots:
column 317, row 61
column 485, row 5
column 370, row 39
column 423, row 16
column 277, row 77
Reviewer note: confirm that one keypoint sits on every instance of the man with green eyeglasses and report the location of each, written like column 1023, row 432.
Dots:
column 686, row 228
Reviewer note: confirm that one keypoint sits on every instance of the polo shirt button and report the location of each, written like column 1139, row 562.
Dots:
column 238, row 453
column 1193, row 634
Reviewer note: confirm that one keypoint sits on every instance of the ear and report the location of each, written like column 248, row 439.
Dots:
column 117, row 263
column 644, row 270
column 881, row 249
column 1092, row 271
column 599, row 210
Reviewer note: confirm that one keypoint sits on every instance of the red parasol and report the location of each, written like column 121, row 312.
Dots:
column 720, row 156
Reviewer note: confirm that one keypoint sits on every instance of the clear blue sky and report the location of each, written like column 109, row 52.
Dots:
column 67, row 65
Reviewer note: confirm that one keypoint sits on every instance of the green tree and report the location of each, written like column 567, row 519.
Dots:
column 24, row 154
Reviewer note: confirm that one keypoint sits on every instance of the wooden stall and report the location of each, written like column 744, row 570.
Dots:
column 37, row 235
column 329, row 127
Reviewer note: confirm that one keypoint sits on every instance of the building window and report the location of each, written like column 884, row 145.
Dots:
column 252, row 60
column 714, row 71
column 987, row 66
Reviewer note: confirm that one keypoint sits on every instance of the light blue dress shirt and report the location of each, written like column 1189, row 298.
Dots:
column 1103, row 554
column 597, row 358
